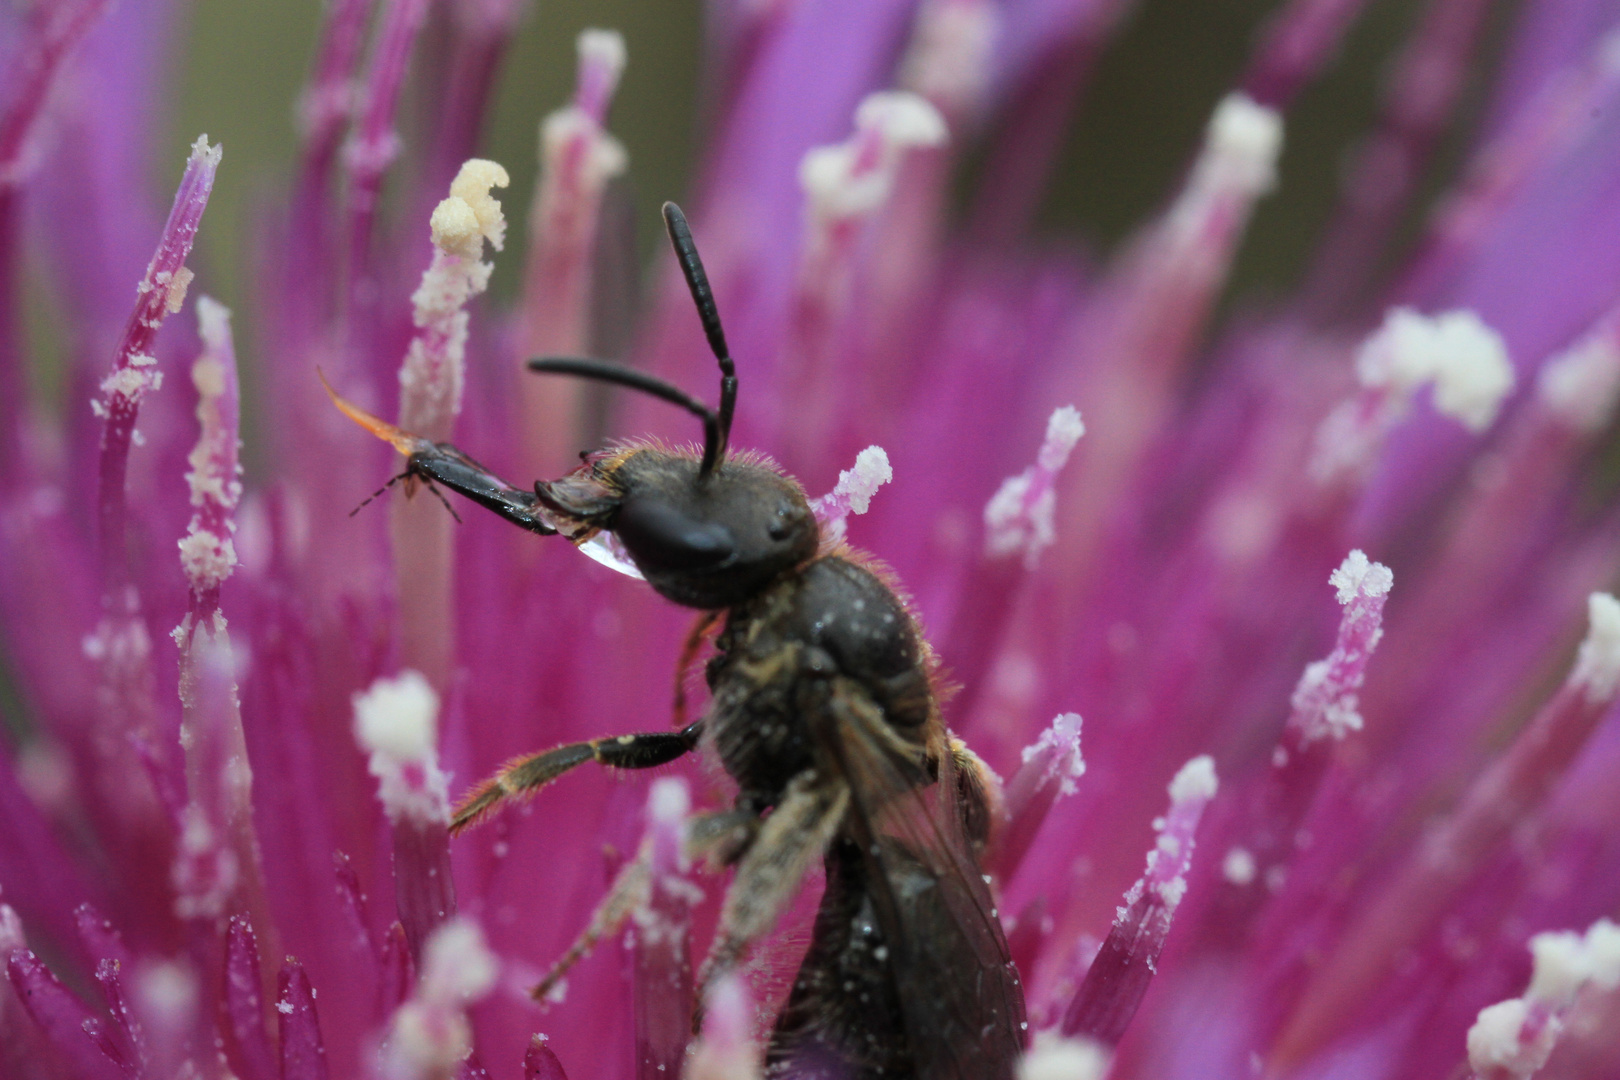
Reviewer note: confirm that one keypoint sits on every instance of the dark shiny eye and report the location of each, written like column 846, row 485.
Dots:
column 660, row 536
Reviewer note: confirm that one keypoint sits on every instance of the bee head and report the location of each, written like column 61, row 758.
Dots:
column 709, row 540
column 707, row 532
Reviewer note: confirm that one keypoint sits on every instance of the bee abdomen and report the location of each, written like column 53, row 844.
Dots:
column 843, row 1018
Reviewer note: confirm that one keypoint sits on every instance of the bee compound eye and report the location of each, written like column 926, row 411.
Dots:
column 662, row 537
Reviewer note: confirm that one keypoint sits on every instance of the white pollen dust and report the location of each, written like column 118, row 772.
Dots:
column 396, row 722
column 1466, row 361
column 1581, row 385
column 1238, row 867
column 1242, row 144
column 1195, row 781
column 1052, row 1056
column 1359, row 575
column 1517, row 1036
column 1597, row 665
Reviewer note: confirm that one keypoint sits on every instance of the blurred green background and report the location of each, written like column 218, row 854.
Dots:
column 1131, row 136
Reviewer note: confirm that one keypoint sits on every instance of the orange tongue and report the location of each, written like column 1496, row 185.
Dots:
column 403, row 441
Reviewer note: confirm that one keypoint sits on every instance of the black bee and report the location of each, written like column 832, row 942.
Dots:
column 824, row 710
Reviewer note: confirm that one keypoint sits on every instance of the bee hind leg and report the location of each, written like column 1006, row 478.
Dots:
column 788, row 842
column 628, row 892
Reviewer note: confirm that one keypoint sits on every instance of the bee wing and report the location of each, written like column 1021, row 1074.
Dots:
column 960, row 995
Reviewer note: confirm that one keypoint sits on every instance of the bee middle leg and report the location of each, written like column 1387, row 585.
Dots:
column 525, row 775
column 788, row 842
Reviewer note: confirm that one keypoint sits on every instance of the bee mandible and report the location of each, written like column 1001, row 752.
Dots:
column 823, row 709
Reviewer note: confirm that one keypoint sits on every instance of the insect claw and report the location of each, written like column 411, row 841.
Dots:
column 437, row 494
column 369, row 499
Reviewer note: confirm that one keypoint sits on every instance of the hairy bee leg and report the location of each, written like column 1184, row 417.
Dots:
column 979, row 792
column 528, row 774
column 795, row 834
column 629, row 891
column 721, row 838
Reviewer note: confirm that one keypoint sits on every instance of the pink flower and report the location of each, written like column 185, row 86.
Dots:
column 1325, row 579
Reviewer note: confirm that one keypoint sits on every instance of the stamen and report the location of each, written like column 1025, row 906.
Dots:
column 1597, row 665
column 1465, row 361
column 1119, row 976
column 845, row 185
column 207, row 554
column 1055, row 1057
column 540, row 1063
column 61, row 1016
column 244, row 999
column 218, row 855
column 662, row 933
column 1241, row 147
column 1499, row 800
column 430, row 385
column 1018, row 518
column 396, row 723
column 601, row 63
column 949, row 57
column 1325, row 701
column 578, row 158
column 429, row 1036
column 120, row 646
column 1517, row 1036
column 854, row 178
column 1051, row 765
column 432, row 375
column 1150, row 315
column 1581, row 385
column 133, row 374
column 852, row 494
column 373, row 145
column 303, row 1052
column 726, row 1050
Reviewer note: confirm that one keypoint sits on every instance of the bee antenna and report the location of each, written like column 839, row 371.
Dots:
column 680, row 236
column 603, row 371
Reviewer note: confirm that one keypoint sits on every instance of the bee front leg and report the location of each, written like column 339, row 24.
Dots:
column 789, row 841
column 526, row 775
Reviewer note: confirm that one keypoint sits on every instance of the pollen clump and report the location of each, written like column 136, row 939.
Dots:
column 1597, row 666
column 1466, row 361
column 1582, row 384
column 396, row 722
column 855, row 177
column 1054, row 1057
column 1516, row 1037
column 471, row 215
